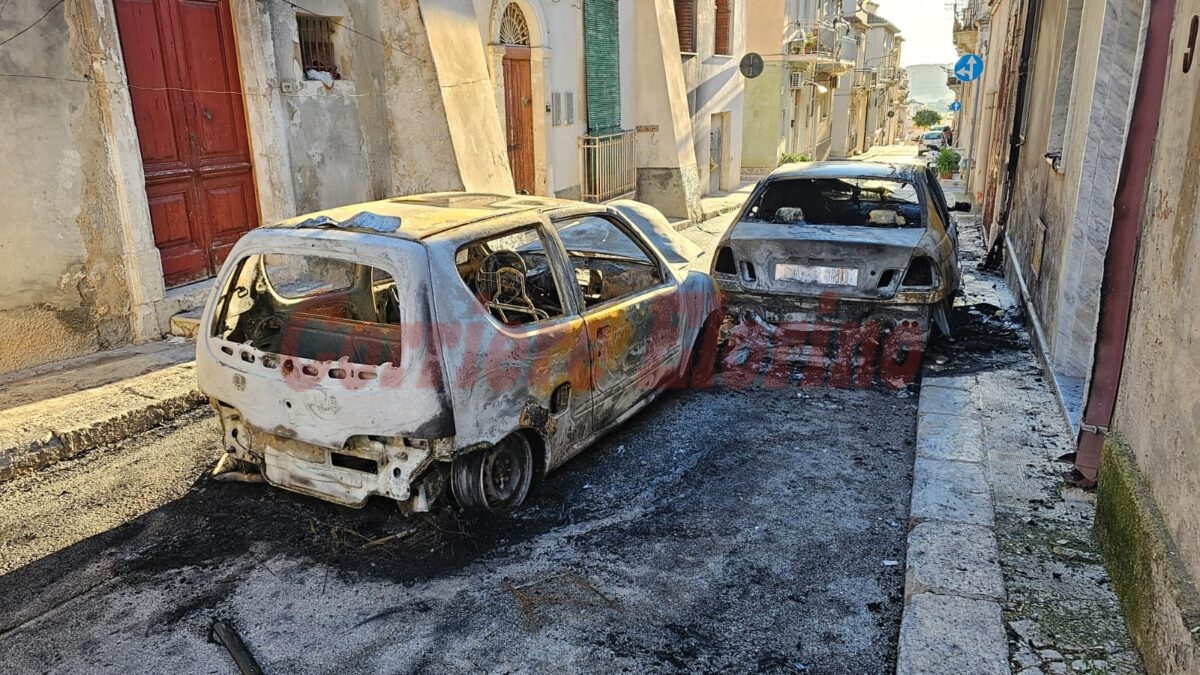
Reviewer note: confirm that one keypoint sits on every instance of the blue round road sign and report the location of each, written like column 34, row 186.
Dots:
column 956, row 106
column 969, row 68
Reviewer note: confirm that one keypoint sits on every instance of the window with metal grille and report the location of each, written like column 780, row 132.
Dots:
column 723, row 42
column 316, row 45
column 685, row 21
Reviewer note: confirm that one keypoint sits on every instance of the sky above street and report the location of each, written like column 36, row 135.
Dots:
column 928, row 28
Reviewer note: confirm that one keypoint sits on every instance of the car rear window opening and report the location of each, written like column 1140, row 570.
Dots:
column 840, row 201
column 312, row 307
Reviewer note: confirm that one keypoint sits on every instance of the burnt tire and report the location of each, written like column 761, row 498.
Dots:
column 702, row 361
column 495, row 480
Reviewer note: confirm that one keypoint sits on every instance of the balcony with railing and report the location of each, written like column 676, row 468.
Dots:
column 609, row 166
column 966, row 25
column 811, row 42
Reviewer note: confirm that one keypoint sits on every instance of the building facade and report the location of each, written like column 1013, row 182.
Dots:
column 789, row 107
column 155, row 132
column 1082, row 135
column 876, row 86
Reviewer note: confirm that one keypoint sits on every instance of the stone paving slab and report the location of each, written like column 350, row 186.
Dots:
column 951, row 492
column 37, row 434
column 949, row 437
column 946, row 400
column 949, row 635
column 957, row 559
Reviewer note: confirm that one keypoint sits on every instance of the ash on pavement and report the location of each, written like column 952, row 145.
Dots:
column 737, row 531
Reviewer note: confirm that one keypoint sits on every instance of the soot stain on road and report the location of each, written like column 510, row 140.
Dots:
column 736, row 530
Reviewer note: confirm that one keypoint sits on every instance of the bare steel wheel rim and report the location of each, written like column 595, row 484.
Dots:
column 495, row 480
column 501, row 473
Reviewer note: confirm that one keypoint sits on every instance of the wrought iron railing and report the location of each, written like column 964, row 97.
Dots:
column 609, row 166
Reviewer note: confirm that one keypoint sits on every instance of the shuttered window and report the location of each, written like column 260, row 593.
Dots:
column 602, row 63
column 722, row 43
column 685, row 20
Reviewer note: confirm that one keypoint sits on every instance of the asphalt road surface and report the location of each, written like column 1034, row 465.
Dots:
column 735, row 531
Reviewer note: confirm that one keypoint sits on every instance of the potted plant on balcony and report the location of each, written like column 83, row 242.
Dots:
column 947, row 163
column 810, row 44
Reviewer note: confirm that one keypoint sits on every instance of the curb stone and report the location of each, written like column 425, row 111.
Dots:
column 952, row 621
column 36, row 435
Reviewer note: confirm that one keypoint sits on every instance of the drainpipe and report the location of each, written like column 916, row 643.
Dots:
column 1015, row 140
column 1120, row 261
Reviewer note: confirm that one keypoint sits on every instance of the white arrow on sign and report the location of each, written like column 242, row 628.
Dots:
column 967, row 72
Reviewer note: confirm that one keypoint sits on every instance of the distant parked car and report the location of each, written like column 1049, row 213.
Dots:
column 839, row 242
column 446, row 342
column 933, row 140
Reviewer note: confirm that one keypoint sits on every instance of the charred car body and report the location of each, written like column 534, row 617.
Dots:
column 462, row 341
column 841, row 242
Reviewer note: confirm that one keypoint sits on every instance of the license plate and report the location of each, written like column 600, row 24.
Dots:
column 812, row 274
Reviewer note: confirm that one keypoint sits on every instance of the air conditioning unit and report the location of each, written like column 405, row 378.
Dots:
column 797, row 79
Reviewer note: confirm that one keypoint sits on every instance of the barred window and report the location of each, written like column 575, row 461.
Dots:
column 316, row 45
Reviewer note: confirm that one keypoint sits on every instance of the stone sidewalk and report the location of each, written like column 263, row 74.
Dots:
column 61, row 411
column 1003, row 573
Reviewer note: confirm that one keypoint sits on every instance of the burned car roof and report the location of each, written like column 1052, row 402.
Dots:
column 844, row 169
column 422, row 216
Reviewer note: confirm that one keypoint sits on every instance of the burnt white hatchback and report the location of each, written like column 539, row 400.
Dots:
column 461, row 342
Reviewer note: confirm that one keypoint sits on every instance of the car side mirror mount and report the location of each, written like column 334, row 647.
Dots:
column 964, row 207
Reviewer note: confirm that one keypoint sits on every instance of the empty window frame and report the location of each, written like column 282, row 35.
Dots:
column 1063, row 91
column 511, row 277
column 312, row 307
column 609, row 264
column 316, row 45
column 851, row 202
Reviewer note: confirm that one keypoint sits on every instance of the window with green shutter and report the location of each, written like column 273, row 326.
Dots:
column 602, row 65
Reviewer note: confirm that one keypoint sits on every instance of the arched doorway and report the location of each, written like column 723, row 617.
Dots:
column 513, row 38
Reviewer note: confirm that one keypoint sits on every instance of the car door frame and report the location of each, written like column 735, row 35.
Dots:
column 616, row 399
column 485, row 408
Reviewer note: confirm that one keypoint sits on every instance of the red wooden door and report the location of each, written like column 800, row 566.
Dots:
column 518, row 113
column 181, row 64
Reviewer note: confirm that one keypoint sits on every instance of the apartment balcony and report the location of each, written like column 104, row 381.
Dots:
column 817, row 45
column 609, row 166
column 866, row 79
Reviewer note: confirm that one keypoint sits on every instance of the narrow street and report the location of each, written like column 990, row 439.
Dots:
column 736, row 531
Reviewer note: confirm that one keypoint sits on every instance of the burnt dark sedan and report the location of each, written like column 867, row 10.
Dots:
column 843, row 241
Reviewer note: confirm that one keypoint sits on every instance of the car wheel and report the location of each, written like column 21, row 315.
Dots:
column 495, row 480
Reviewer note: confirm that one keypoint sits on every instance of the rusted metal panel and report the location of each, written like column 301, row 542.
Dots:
column 346, row 420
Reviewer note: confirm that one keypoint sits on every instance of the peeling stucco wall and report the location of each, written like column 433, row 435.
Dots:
column 61, row 262
column 1158, row 406
column 715, row 95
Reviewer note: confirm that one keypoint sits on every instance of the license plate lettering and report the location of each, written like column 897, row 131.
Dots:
column 815, row 274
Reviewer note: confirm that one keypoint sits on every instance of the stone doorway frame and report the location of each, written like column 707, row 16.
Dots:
column 539, row 54
column 150, row 304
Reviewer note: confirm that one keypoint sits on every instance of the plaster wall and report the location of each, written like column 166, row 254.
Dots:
column 668, row 177
column 1158, row 405
column 62, row 264
column 337, row 137
column 716, row 88
column 764, row 129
